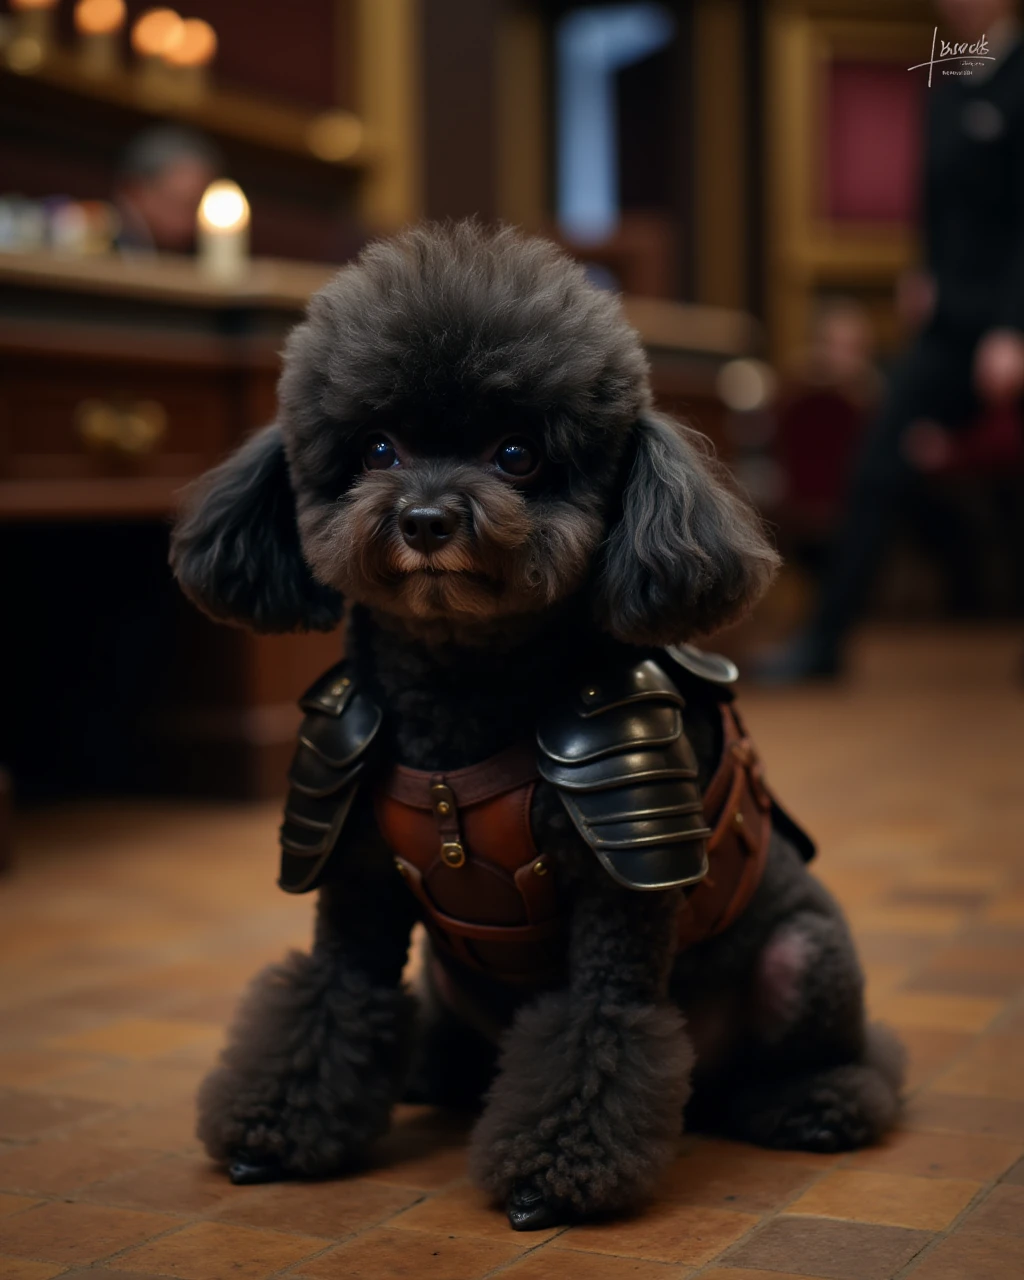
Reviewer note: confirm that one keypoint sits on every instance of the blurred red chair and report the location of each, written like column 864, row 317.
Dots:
column 978, row 474
column 993, row 443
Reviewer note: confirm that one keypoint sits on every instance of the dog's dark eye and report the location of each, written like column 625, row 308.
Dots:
column 379, row 454
column 516, row 458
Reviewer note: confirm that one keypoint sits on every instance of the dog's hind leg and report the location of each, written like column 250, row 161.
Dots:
column 814, row 1075
column 833, row 1109
column 319, row 1049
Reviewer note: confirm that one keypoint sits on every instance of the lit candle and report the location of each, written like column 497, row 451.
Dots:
column 222, row 226
column 33, row 34
column 98, row 23
column 190, row 55
column 154, row 34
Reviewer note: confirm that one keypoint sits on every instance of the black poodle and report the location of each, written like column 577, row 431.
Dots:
column 467, row 456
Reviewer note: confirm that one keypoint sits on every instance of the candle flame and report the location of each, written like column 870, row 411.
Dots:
column 196, row 47
column 99, row 17
column 157, row 32
column 223, row 207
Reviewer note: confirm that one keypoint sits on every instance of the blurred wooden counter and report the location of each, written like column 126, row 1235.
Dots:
column 120, row 381
column 123, row 379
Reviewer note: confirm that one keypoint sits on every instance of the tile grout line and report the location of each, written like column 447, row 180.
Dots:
column 916, row 969
column 116, row 1253
column 182, row 1223
column 1014, row 1005
column 526, row 1253
column 950, row 1229
column 80, row 1194
column 295, row 1268
column 772, row 1216
column 693, row 1271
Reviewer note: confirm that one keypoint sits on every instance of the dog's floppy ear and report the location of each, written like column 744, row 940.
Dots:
column 235, row 549
column 686, row 554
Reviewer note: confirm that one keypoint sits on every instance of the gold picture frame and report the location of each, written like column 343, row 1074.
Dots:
column 807, row 253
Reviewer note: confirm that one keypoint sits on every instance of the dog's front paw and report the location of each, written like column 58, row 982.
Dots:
column 529, row 1210
column 584, row 1113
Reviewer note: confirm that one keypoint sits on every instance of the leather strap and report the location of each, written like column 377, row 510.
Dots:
column 737, row 805
column 454, row 936
column 479, row 782
column 477, row 932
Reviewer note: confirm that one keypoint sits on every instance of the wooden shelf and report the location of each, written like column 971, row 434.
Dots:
column 278, row 284
column 268, row 282
column 99, row 498
column 258, row 121
column 697, row 330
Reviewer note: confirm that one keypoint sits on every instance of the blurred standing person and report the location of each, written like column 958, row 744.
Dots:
column 968, row 305
column 160, row 182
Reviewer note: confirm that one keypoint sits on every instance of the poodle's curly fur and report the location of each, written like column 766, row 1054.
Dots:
column 420, row 370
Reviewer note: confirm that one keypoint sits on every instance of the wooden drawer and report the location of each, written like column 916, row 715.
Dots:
column 65, row 423
column 106, row 424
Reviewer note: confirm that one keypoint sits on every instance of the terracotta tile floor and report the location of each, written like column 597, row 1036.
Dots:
column 128, row 930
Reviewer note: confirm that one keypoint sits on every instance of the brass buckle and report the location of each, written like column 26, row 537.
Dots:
column 452, row 853
column 443, row 799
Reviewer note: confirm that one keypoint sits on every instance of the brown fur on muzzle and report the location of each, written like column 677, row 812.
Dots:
column 507, row 556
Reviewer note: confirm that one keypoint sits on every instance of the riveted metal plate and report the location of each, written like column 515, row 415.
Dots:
column 627, row 776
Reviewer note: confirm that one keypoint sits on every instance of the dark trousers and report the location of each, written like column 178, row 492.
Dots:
column 932, row 381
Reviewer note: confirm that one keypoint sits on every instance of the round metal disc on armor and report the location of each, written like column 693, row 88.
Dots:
column 715, row 667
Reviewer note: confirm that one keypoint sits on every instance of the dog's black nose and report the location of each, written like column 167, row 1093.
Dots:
column 427, row 529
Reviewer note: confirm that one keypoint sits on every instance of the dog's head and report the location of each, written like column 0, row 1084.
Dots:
column 466, row 436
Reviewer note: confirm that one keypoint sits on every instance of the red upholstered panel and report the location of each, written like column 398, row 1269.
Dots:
column 819, row 431
column 874, row 137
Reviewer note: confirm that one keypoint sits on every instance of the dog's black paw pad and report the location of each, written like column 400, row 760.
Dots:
column 247, row 1171
column 826, row 1141
column 529, row 1211
column 826, row 1134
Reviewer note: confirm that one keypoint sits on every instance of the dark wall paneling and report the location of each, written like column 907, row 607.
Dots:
column 754, row 12
column 646, row 124
column 459, row 68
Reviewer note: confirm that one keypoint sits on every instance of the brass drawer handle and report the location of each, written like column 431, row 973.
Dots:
column 130, row 429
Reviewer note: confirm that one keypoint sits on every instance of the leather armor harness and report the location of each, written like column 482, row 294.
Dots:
column 619, row 759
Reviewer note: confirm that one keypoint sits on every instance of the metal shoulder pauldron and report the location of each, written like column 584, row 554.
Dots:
column 627, row 775
column 336, row 734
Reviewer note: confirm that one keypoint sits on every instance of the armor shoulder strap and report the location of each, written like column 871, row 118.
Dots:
column 337, row 731
column 617, row 753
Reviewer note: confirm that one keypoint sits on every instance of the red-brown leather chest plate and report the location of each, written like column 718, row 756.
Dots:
column 463, row 843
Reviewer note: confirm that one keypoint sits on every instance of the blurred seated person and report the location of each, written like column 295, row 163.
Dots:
column 967, row 359
column 160, row 182
column 841, row 353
